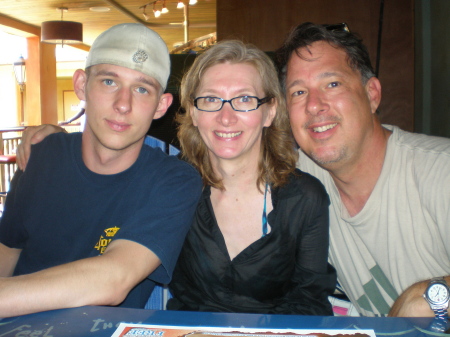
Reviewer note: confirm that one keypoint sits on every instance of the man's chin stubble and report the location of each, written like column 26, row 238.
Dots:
column 327, row 160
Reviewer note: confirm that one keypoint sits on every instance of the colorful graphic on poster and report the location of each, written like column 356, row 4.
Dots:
column 132, row 330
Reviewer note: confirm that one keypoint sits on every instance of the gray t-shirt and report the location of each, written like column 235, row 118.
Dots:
column 402, row 234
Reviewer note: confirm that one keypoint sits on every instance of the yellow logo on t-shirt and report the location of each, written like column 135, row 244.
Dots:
column 103, row 242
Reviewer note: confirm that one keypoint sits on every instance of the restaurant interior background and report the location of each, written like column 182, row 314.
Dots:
column 406, row 40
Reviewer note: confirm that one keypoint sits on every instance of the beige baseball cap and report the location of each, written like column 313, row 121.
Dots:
column 133, row 46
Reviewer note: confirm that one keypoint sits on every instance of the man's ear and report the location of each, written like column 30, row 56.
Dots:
column 373, row 89
column 79, row 84
column 164, row 103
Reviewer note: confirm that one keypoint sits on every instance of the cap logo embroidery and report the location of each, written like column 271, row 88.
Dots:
column 140, row 56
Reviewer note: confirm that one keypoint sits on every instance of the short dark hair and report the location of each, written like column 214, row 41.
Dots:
column 307, row 33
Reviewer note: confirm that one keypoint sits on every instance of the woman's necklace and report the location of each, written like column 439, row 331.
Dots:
column 265, row 224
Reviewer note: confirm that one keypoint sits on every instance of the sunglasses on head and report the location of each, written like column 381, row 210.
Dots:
column 337, row 27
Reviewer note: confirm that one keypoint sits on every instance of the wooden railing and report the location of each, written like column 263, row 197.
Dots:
column 10, row 139
column 10, row 145
column 72, row 127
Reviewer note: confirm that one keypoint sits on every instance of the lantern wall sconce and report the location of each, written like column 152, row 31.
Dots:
column 19, row 68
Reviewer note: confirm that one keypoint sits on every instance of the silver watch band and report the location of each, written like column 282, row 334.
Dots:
column 439, row 324
column 441, row 313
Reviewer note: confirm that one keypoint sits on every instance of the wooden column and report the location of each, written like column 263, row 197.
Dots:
column 41, row 105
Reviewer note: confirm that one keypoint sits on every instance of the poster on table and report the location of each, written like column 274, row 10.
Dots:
column 129, row 330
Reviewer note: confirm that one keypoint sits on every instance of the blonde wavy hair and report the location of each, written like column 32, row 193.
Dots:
column 278, row 154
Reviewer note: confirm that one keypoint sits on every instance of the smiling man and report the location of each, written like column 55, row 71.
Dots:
column 97, row 218
column 390, row 205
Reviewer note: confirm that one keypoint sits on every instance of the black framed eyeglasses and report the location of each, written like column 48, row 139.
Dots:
column 337, row 27
column 240, row 103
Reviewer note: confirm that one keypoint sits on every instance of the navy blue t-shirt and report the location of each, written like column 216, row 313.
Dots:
column 59, row 211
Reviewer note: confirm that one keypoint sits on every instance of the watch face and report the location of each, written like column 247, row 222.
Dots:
column 438, row 293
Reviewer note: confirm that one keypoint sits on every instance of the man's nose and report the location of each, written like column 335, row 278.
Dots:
column 316, row 102
column 123, row 101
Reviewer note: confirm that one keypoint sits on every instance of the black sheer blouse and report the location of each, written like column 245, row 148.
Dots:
column 284, row 272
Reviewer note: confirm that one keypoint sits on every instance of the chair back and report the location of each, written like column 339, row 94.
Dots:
column 161, row 294
column 155, row 142
column 7, row 168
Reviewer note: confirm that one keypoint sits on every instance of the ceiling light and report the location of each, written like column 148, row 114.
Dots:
column 156, row 12
column 192, row 2
column 164, row 9
column 99, row 9
column 180, row 4
column 146, row 17
column 64, row 32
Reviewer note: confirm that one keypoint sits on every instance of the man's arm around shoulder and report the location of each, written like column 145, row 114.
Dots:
column 100, row 280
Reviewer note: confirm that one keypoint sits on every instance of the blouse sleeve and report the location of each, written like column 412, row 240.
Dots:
column 314, row 279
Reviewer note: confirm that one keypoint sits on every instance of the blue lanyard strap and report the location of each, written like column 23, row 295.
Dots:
column 264, row 215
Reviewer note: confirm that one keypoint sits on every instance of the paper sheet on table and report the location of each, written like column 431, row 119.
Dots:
column 129, row 330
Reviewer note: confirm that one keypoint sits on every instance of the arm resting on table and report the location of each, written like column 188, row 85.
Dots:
column 412, row 303
column 8, row 260
column 100, row 280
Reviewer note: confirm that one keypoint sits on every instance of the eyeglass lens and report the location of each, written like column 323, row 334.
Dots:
column 242, row 103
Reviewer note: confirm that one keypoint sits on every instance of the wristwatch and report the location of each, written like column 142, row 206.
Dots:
column 438, row 296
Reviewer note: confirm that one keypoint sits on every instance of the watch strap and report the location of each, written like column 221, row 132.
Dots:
column 439, row 325
column 441, row 313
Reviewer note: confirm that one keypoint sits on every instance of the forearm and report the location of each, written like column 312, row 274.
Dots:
column 314, row 241
column 101, row 280
column 309, row 293
column 314, row 279
column 64, row 286
column 8, row 260
column 412, row 303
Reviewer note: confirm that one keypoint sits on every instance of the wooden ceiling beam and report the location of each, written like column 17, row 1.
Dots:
column 20, row 28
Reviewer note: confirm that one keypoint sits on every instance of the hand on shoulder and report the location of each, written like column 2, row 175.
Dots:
column 33, row 135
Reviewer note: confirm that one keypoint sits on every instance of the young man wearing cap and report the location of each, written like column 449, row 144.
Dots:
column 97, row 218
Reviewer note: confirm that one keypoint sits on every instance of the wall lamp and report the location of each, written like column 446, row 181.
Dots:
column 19, row 68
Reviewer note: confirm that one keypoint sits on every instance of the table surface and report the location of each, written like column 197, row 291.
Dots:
column 102, row 321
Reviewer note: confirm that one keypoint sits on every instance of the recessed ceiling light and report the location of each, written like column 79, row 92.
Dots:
column 99, row 9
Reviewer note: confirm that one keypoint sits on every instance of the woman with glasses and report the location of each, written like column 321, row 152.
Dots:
column 259, row 239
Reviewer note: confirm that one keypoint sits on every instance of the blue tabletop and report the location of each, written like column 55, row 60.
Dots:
column 102, row 321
